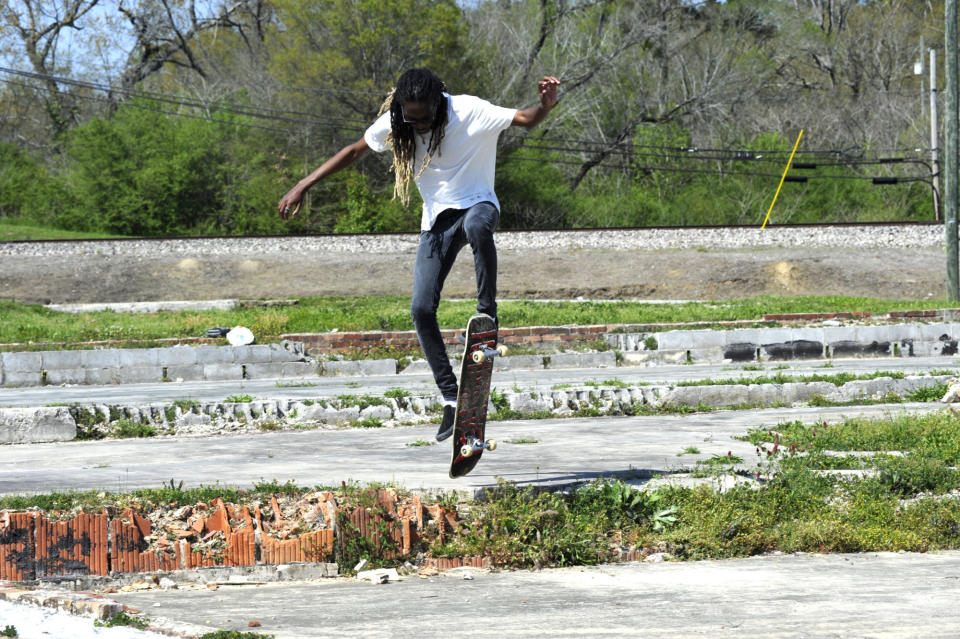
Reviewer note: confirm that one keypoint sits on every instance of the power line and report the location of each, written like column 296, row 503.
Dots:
column 538, row 145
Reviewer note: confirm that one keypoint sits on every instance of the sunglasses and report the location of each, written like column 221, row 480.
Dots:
column 420, row 121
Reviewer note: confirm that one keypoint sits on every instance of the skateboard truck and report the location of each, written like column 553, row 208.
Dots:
column 479, row 356
column 475, row 445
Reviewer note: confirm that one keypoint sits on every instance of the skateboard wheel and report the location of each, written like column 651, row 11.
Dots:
column 466, row 451
column 502, row 350
column 478, row 357
column 491, row 444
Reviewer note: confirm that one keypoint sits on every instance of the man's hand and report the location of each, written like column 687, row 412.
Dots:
column 531, row 117
column 290, row 203
column 547, row 88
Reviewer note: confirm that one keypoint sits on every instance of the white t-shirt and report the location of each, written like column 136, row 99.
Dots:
column 460, row 174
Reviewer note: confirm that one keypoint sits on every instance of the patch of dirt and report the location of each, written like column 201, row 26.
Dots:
column 593, row 274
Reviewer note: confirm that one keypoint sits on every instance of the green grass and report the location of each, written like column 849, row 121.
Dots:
column 32, row 323
column 421, row 443
column 10, row 232
column 901, row 502
column 838, row 379
column 123, row 619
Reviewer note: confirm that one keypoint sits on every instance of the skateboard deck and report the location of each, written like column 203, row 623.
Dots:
column 479, row 351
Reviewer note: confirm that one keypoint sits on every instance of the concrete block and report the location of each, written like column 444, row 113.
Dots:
column 254, row 354
column 795, row 392
column 378, row 367
column 22, row 362
column 178, row 356
column 325, row 414
column 303, row 572
column 683, row 396
column 845, row 348
column 61, row 360
column 774, row 335
column 58, row 376
column 724, row 395
column 298, row 369
column 101, row 376
column 741, row 336
column 605, row 359
column 286, row 353
column 527, row 403
column 705, row 339
column 674, row 340
column 186, row 373
column 137, row 375
column 810, row 334
column 217, row 354
column 907, row 331
column 30, row 425
column 101, row 358
column 793, row 349
column 262, row 370
column 518, row 363
column 838, row 334
column 741, row 352
column 338, row 368
column 139, row 357
column 376, row 412
column 934, row 332
column 868, row 334
column 707, row 355
column 13, row 379
column 416, row 367
column 214, row 372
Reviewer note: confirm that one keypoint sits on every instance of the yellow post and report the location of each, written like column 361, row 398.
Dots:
column 789, row 162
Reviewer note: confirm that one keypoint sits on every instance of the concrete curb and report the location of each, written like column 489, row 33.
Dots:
column 786, row 343
column 270, row 414
column 288, row 360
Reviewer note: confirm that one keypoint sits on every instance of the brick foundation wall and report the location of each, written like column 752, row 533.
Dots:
column 33, row 546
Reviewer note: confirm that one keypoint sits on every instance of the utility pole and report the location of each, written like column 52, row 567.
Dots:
column 934, row 137
column 950, row 149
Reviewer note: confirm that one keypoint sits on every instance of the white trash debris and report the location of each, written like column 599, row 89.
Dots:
column 240, row 336
column 380, row 576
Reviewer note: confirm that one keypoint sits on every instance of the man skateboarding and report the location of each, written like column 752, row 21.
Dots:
column 447, row 145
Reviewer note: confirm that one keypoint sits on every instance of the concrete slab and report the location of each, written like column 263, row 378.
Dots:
column 567, row 451
column 881, row 595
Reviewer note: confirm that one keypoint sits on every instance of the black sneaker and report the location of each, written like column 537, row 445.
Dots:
column 446, row 426
column 462, row 336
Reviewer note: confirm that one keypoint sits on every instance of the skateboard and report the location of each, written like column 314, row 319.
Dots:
column 480, row 349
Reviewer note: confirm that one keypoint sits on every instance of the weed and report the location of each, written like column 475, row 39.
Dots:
column 499, row 400
column 689, row 450
column 524, row 440
column 239, row 399
column 9, row 631
column 650, row 343
column 752, row 367
column 361, row 401
column 234, row 634
column 123, row 619
column 928, row 393
column 269, row 425
column 369, row 422
column 295, row 384
column 396, row 393
column 125, row 428
column 421, row 442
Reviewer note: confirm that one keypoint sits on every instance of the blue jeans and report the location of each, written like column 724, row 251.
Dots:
column 438, row 249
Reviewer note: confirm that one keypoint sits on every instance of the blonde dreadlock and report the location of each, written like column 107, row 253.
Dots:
column 416, row 85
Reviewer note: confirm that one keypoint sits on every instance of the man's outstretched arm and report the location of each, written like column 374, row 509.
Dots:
column 290, row 203
column 529, row 118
